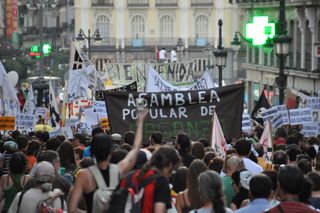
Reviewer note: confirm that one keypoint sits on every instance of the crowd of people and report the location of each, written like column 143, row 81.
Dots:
column 64, row 175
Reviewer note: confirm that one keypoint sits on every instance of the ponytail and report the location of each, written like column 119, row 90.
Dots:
column 218, row 204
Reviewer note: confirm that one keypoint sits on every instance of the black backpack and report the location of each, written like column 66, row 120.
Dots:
column 130, row 197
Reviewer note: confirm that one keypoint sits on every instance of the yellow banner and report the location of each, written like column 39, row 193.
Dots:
column 7, row 122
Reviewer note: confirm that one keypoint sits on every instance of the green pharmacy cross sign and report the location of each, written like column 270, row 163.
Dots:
column 260, row 30
column 35, row 50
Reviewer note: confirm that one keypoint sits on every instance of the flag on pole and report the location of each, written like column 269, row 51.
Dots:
column 218, row 142
column 53, row 108
column 266, row 140
column 8, row 90
column 259, row 108
column 30, row 106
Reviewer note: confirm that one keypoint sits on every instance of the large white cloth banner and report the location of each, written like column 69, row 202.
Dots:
column 155, row 83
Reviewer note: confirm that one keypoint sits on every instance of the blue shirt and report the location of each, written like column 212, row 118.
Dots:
column 86, row 152
column 255, row 206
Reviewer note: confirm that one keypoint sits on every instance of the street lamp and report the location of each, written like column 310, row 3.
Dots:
column 82, row 36
column 282, row 45
column 208, row 49
column 180, row 46
column 220, row 54
column 40, row 84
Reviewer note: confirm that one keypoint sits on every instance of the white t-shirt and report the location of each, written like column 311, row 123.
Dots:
column 173, row 56
column 162, row 54
column 252, row 166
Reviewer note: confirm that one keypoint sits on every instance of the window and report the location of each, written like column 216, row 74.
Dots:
column 103, row 25
column 202, row 27
column 137, row 27
column 166, row 27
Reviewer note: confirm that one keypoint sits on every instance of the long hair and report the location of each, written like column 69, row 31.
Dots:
column 160, row 159
column 210, row 186
column 195, row 169
column 66, row 154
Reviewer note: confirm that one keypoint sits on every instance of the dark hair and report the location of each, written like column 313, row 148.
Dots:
column 22, row 141
column 243, row 147
column 260, row 186
column 314, row 178
column 273, row 177
column 280, row 157
column 66, row 154
column 305, row 166
column 292, row 140
column 129, row 137
column 48, row 155
column 101, row 146
column 290, row 179
column 306, row 191
column 179, row 183
column 86, row 162
column 253, row 157
column 311, row 152
column 216, row 164
column 184, row 141
column 208, row 157
column 17, row 163
column 118, row 155
column 313, row 141
column 197, row 150
column 96, row 130
column 259, row 149
column 210, row 187
column 205, row 142
column 195, row 169
column 61, row 138
column 317, row 162
column 281, row 132
column 33, row 148
column 292, row 153
column 81, row 138
column 156, row 137
column 126, row 146
column 53, row 144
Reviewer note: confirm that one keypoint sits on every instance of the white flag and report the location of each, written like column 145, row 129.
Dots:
column 53, row 107
column 218, row 142
column 266, row 140
column 30, row 106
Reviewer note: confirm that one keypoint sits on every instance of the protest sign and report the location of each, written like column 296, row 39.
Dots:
column 25, row 121
column 269, row 113
column 127, row 88
column 277, row 121
column 282, row 109
column 312, row 102
column 43, row 112
column 180, row 111
column 300, row 116
column 246, row 124
column 99, row 107
column 7, row 122
column 310, row 129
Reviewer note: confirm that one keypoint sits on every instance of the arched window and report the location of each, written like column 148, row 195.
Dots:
column 202, row 27
column 137, row 27
column 166, row 27
column 103, row 24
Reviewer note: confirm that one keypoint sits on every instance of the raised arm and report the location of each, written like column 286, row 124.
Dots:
column 128, row 162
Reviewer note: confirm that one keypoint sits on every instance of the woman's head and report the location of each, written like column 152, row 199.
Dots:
column 17, row 163
column 165, row 159
column 197, row 150
column 101, row 146
column 66, row 154
column 195, row 169
column 33, row 148
column 210, row 187
column 180, row 180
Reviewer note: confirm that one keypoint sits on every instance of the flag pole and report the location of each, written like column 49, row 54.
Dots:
column 63, row 110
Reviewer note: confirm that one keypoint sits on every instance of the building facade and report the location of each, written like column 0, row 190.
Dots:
column 133, row 29
column 302, row 65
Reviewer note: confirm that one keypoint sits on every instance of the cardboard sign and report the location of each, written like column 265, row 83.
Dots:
column 7, row 122
column 104, row 123
column 25, row 121
column 300, row 116
column 246, row 124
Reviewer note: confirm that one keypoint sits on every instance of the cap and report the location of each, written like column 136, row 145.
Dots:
column 44, row 172
column 116, row 137
column 11, row 145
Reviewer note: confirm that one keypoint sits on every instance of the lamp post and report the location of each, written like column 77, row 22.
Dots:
column 208, row 49
column 282, row 45
column 40, row 84
column 220, row 54
column 180, row 46
column 82, row 36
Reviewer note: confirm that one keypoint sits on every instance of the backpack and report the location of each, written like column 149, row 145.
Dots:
column 102, row 194
column 129, row 196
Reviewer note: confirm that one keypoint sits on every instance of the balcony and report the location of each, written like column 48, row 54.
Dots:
column 202, row 3
column 102, row 3
column 166, row 3
column 138, row 3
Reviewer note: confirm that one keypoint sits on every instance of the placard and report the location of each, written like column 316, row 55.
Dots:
column 300, row 116
column 25, row 121
column 7, row 122
column 246, row 123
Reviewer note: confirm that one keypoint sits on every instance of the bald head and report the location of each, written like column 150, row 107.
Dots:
column 233, row 164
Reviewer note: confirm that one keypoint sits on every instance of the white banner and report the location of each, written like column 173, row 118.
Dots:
column 43, row 112
column 78, row 85
column 282, row 109
column 25, row 121
column 269, row 113
column 155, row 83
column 277, row 121
column 99, row 107
column 300, row 116
column 246, row 124
column 313, row 102
column 310, row 129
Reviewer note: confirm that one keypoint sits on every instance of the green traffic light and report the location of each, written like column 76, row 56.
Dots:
column 260, row 30
column 47, row 49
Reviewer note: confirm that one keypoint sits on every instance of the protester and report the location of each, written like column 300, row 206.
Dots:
column 10, row 148
column 67, row 161
column 279, row 158
column 183, row 146
column 173, row 55
column 101, row 147
column 155, row 141
column 314, row 200
column 33, row 148
column 197, row 150
column 189, row 199
column 210, row 188
column 79, row 140
column 266, row 165
column 241, row 180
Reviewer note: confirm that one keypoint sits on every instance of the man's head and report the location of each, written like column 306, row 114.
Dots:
column 260, row 186
column 78, row 140
column 243, row 147
column 50, row 156
column 183, row 142
column 129, row 137
column 290, row 181
column 156, row 138
column 279, row 158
